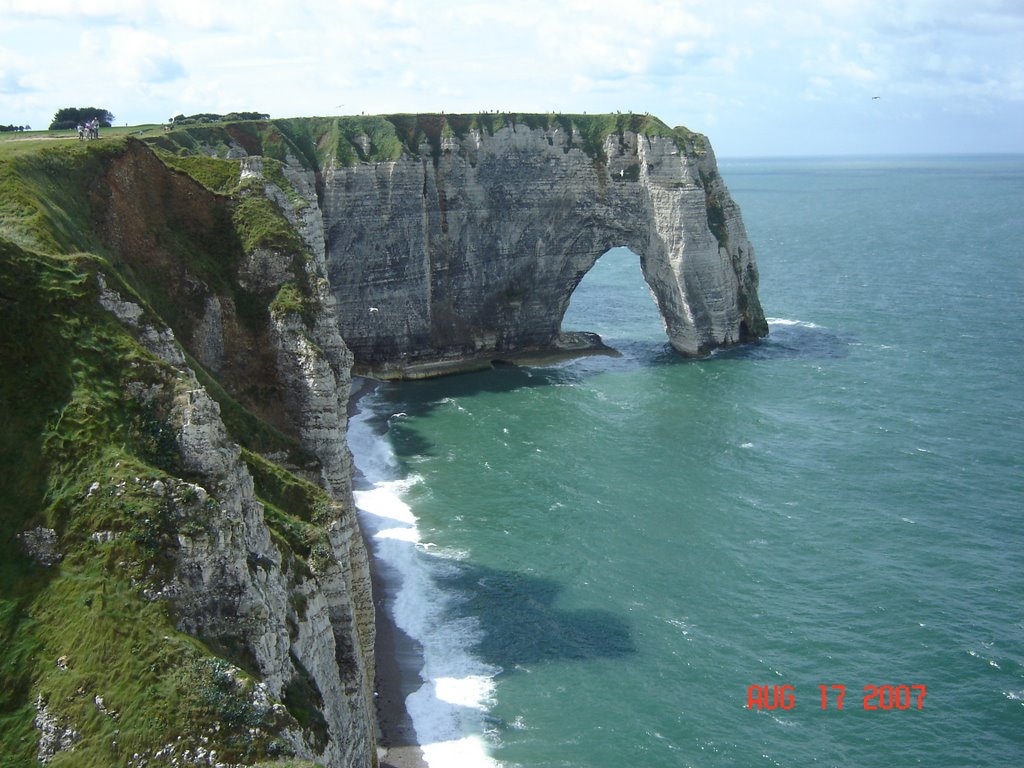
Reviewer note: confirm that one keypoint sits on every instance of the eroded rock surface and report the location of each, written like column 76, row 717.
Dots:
column 472, row 251
column 232, row 584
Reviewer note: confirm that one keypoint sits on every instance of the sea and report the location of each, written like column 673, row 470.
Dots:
column 803, row 552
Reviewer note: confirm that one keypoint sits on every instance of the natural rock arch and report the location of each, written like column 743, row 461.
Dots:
column 615, row 279
column 470, row 251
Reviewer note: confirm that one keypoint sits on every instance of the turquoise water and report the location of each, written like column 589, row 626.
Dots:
column 603, row 555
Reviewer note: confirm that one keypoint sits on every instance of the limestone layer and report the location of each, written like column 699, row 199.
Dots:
column 469, row 249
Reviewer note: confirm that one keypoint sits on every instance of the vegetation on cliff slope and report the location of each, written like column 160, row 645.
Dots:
column 316, row 142
column 82, row 454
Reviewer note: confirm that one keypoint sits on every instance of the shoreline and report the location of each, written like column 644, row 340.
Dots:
column 569, row 345
column 399, row 658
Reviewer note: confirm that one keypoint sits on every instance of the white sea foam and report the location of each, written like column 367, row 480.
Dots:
column 682, row 626
column 448, row 710
column 783, row 723
column 783, row 321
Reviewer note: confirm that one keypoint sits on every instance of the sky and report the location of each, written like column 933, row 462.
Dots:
column 760, row 78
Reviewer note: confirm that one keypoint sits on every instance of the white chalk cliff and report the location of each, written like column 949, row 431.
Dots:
column 470, row 248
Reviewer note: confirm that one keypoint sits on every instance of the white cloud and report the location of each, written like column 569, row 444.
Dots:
column 14, row 73
column 850, row 66
column 70, row 10
column 131, row 56
column 737, row 65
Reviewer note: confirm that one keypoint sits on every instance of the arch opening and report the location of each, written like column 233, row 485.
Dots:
column 614, row 300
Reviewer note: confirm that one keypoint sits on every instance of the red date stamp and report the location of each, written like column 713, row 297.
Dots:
column 876, row 697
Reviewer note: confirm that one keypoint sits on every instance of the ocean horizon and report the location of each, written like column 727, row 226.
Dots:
column 805, row 551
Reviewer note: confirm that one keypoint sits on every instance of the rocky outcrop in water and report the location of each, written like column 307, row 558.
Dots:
column 470, row 248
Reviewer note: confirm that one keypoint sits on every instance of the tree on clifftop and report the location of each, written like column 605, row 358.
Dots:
column 69, row 117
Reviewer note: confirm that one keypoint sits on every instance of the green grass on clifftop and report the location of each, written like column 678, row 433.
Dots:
column 317, row 141
column 46, row 194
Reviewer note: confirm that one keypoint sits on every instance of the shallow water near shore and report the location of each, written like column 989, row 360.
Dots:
column 601, row 557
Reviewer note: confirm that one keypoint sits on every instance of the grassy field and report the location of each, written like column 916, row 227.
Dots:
column 20, row 142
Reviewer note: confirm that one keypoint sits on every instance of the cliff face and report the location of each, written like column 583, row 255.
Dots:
column 470, row 250
column 306, row 627
column 175, row 390
column 297, row 628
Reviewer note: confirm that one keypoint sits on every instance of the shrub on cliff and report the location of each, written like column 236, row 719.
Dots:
column 69, row 117
column 213, row 117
